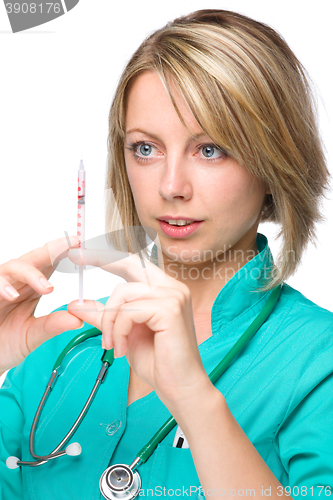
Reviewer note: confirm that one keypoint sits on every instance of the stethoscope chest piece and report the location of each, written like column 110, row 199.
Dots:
column 119, row 482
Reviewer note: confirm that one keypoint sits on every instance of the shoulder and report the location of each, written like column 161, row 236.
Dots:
column 303, row 335
column 304, row 312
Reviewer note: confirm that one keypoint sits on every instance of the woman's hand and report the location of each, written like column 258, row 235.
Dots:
column 150, row 320
column 20, row 331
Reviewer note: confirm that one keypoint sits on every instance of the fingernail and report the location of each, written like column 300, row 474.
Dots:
column 81, row 326
column 108, row 344
column 10, row 290
column 45, row 283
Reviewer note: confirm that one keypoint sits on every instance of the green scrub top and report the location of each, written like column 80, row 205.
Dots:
column 279, row 389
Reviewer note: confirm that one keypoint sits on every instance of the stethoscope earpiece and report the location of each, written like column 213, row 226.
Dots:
column 119, row 482
column 73, row 449
column 11, row 462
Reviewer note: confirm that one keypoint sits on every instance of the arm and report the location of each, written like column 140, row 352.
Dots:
column 224, row 457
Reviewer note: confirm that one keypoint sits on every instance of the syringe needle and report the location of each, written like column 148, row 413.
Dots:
column 80, row 284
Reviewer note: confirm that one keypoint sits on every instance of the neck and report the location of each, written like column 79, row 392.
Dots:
column 206, row 278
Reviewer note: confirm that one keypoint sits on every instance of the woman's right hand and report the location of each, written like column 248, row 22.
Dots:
column 20, row 331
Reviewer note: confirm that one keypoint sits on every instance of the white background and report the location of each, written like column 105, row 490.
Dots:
column 57, row 82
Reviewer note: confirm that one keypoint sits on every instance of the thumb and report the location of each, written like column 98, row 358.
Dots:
column 44, row 328
column 91, row 311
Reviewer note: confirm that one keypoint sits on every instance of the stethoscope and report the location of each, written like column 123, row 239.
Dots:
column 121, row 481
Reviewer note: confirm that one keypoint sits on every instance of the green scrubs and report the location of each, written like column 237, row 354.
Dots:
column 279, row 389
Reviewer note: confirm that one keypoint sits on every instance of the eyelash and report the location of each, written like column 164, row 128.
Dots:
column 134, row 145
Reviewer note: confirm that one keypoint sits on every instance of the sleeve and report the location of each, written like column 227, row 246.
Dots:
column 305, row 437
column 11, row 429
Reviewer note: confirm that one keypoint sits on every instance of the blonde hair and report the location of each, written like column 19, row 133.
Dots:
column 252, row 97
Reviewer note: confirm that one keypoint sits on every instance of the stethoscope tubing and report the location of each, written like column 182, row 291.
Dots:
column 41, row 459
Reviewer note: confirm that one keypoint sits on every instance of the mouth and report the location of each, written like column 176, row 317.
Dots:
column 175, row 230
column 180, row 221
column 176, row 224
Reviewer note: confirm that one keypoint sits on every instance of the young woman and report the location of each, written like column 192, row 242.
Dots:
column 212, row 123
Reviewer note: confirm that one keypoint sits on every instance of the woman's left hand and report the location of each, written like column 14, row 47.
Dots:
column 152, row 324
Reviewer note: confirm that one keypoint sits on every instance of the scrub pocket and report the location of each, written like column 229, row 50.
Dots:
column 173, row 474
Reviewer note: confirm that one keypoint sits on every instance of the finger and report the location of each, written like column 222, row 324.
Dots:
column 130, row 267
column 46, row 255
column 97, row 258
column 91, row 312
column 7, row 291
column 129, row 293
column 124, row 324
column 17, row 270
column 103, row 316
column 46, row 327
column 96, row 314
column 152, row 313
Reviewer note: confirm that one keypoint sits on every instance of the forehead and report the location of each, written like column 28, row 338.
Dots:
column 148, row 103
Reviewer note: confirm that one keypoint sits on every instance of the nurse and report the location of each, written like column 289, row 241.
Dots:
column 212, row 124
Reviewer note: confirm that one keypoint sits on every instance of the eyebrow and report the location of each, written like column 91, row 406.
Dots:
column 154, row 136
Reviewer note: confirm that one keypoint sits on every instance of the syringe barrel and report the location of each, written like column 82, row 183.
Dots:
column 81, row 206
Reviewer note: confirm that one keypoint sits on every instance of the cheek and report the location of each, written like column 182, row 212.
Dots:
column 239, row 196
column 140, row 188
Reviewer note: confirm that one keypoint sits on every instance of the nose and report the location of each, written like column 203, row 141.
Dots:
column 176, row 179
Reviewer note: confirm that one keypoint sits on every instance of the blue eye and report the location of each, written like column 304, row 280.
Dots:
column 212, row 152
column 141, row 150
column 145, row 149
column 209, row 151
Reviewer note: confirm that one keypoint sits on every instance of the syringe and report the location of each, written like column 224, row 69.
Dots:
column 81, row 221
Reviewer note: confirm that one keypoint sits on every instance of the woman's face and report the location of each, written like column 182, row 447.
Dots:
column 174, row 174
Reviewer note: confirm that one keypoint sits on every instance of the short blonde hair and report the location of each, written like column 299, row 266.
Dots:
column 252, row 97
